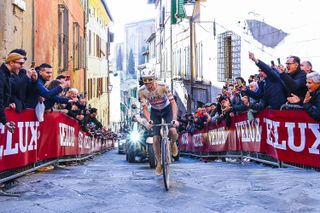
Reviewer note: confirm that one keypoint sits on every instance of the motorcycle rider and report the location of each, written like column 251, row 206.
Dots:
column 163, row 105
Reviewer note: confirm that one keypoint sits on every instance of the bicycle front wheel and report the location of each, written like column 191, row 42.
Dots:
column 165, row 162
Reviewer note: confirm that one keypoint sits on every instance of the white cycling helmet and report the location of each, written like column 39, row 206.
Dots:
column 146, row 72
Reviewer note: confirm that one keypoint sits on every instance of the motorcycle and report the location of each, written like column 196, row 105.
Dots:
column 140, row 144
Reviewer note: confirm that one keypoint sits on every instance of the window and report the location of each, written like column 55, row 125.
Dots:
column 199, row 61
column 174, row 65
column 187, row 63
column 89, row 89
column 76, row 46
column 179, row 66
column 229, row 50
column 99, row 87
column 90, row 52
column 134, row 93
column 63, row 40
column 107, row 50
column 82, row 51
column 98, row 46
column 94, row 44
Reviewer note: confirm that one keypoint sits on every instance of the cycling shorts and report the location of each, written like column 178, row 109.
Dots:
column 158, row 114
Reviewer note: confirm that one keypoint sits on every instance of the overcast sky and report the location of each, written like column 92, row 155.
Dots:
column 127, row 11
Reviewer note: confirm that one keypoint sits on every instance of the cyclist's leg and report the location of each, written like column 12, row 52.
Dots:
column 156, row 118
column 173, row 135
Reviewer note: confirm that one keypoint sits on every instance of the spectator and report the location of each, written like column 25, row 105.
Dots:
column 213, row 112
column 311, row 102
column 253, row 86
column 63, row 79
column 271, row 89
column 75, row 109
column 60, row 99
column 20, row 80
column 90, row 121
column 251, row 79
column 34, row 92
column 226, row 109
column 293, row 77
column 201, row 118
column 13, row 62
column 236, row 100
column 306, row 66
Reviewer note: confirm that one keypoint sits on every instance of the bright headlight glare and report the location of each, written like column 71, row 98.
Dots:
column 135, row 136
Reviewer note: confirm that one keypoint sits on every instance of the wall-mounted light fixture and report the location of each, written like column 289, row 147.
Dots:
column 188, row 8
column 109, row 89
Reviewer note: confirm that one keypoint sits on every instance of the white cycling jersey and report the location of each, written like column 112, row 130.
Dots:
column 158, row 99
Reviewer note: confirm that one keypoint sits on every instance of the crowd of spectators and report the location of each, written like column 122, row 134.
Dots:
column 293, row 86
column 22, row 88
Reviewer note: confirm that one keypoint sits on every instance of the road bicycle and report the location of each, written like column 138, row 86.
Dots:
column 165, row 153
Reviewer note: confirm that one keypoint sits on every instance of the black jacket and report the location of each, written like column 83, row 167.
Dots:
column 295, row 82
column 19, row 86
column 313, row 107
column 272, row 90
column 5, row 91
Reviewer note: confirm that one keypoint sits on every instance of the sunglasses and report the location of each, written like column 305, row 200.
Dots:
column 18, row 62
column 147, row 80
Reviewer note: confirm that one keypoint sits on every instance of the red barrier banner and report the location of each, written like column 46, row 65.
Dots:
column 289, row 136
column 57, row 136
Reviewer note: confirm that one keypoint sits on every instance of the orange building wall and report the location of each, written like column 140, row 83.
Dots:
column 46, row 43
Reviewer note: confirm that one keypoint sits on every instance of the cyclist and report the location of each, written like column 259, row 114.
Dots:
column 163, row 105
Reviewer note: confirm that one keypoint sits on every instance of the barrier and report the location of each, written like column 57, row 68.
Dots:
column 56, row 139
column 288, row 136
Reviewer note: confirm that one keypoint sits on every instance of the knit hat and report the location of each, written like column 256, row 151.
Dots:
column 13, row 57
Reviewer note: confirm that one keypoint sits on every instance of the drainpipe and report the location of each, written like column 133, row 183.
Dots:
column 33, row 31
column 171, row 59
column 191, row 64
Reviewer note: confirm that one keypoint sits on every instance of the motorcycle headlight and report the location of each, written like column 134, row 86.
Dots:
column 135, row 136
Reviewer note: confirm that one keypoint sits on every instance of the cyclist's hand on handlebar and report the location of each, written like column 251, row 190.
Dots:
column 150, row 124
column 174, row 123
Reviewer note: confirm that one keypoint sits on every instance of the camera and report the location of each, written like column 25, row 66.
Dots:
column 272, row 63
column 33, row 64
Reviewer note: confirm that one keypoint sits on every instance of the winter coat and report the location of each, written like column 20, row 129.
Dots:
column 295, row 82
column 272, row 90
column 313, row 107
column 5, row 91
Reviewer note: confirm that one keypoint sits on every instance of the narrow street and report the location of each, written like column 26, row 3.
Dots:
column 110, row 184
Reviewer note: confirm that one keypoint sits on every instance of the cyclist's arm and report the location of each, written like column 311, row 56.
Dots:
column 144, row 105
column 173, row 103
column 174, row 109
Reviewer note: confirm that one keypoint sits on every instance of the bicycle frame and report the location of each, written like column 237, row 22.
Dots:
column 165, row 153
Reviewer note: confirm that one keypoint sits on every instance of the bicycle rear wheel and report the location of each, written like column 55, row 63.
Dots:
column 165, row 162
